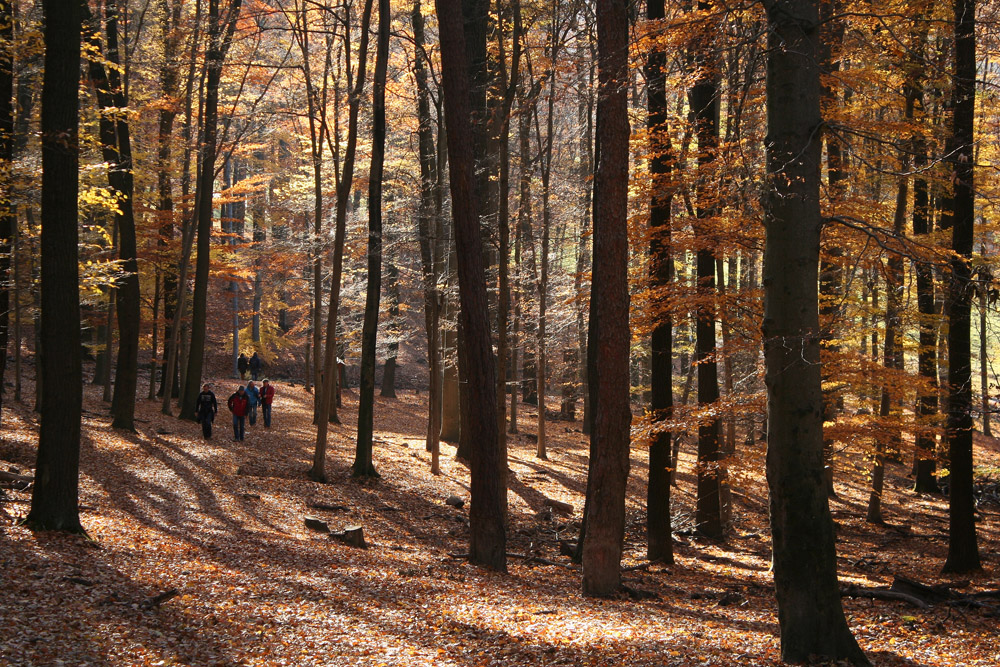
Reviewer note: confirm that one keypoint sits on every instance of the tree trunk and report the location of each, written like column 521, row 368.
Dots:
column 704, row 101
column 810, row 614
column 218, row 45
column 117, row 152
column 392, row 293
column 8, row 218
column 487, row 514
column 659, row 541
column 963, row 547
column 363, row 465
column 55, row 496
column 608, row 340
column 326, row 391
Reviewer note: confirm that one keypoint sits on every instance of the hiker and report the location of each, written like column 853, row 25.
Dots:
column 253, row 399
column 266, row 396
column 207, row 408
column 238, row 405
column 256, row 363
column 243, row 365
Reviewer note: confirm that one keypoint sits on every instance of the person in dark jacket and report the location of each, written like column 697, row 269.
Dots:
column 238, row 405
column 207, row 407
column 253, row 400
column 243, row 365
column 256, row 363
column 266, row 397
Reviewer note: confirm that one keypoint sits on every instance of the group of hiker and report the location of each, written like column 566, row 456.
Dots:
column 253, row 365
column 243, row 403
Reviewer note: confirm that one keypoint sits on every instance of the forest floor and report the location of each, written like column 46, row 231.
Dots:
column 222, row 523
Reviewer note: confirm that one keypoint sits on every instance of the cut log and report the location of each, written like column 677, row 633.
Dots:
column 559, row 506
column 351, row 535
column 320, row 526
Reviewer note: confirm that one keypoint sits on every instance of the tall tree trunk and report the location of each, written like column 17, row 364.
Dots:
column 608, row 340
column 363, row 466
column 963, row 547
column 488, row 510
column 810, row 614
column 55, row 495
column 704, row 101
column 831, row 272
column 8, row 218
column 219, row 39
column 431, row 234
column 329, row 386
column 659, row 542
column 984, row 380
column 925, row 450
column 116, row 148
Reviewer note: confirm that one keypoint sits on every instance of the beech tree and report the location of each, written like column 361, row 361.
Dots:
column 55, row 495
column 810, row 614
column 608, row 333
column 488, row 506
column 963, row 548
column 363, row 466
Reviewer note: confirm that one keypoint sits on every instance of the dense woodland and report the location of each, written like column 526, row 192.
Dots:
column 762, row 234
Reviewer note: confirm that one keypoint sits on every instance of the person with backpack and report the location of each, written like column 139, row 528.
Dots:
column 253, row 399
column 243, row 365
column 206, row 408
column 238, row 405
column 266, row 397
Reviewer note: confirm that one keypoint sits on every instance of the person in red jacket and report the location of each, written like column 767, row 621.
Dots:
column 266, row 396
column 239, row 405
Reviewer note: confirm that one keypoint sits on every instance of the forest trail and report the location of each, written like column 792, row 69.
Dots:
column 222, row 524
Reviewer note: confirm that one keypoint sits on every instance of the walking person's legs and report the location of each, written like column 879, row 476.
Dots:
column 266, row 413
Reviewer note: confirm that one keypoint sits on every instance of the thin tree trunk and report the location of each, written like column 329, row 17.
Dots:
column 659, row 540
column 363, row 465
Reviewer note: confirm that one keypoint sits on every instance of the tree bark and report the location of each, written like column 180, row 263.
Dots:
column 8, row 218
column 488, row 510
column 608, row 340
column 810, row 614
column 116, row 148
column 659, row 540
column 363, row 465
column 55, row 496
column 963, row 547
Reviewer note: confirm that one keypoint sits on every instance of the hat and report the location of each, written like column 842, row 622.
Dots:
column 239, row 388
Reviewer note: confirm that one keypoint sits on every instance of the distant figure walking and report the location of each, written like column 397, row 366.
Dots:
column 256, row 363
column 207, row 408
column 243, row 365
column 266, row 396
column 253, row 400
column 238, row 405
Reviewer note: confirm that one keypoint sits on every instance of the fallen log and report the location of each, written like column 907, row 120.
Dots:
column 855, row 591
column 14, row 481
column 157, row 600
column 559, row 506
